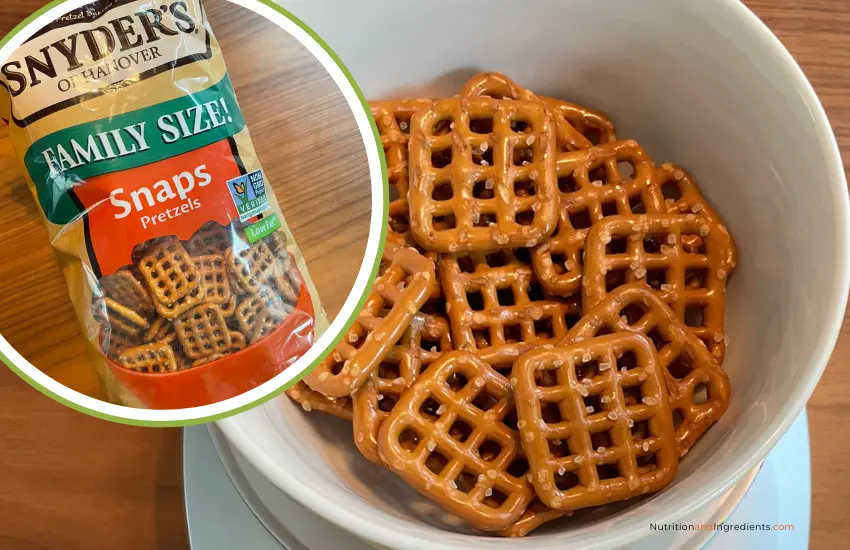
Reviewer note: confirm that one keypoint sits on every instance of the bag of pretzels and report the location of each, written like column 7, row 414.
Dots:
column 183, row 273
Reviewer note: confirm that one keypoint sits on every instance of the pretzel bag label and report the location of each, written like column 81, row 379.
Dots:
column 181, row 268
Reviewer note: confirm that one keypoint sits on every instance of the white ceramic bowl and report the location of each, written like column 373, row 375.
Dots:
column 700, row 83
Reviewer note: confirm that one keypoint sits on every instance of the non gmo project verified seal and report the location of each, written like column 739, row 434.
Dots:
column 249, row 195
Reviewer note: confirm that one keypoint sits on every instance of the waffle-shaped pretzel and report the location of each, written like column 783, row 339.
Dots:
column 311, row 400
column 252, row 267
column 202, row 332
column 213, row 271
column 448, row 438
column 115, row 342
column 111, row 314
column 496, row 306
column 424, row 341
column 211, row 238
column 486, row 169
column 534, row 516
column 591, row 187
column 149, row 358
column 124, row 288
column 259, row 315
column 653, row 249
column 171, row 277
column 698, row 387
column 161, row 330
column 393, row 120
column 406, row 281
column 595, row 421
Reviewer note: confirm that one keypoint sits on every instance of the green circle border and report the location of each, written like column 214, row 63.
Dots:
column 386, row 206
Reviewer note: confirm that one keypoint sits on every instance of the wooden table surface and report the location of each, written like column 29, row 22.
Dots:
column 70, row 482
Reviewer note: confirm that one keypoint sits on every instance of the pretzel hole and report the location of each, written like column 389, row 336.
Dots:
column 607, row 471
column 481, row 337
column 524, row 218
column 505, row 296
column 523, row 155
column 436, row 462
column 456, row 381
column 460, row 430
column 632, row 396
column 598, row 173
column 640, row 430
column 489, row 450
column 465, row 481
column 545, row 378
column 483, row 189
column 524, row 187
column 466, row 264
column 670, row 191
column 627, row 169
column 399, row 223
column 442, row 192
column 559, row 262
column 408, row 440
column 580, row 219
column 652, row 243
column 482, row 125
column 700, row 394
column 482, row 158
column 657, row 338
column 441, row 158
column 558, row 448
column 593, row 135
column 387, row 402
column 600, row 439
column 696, row 277
column 647, row 463
column 495, row 500
column 485, row 220
column 609, row 208
column 520, row 126
column 603, row 330
column 656, row 277
column 523, row 255
column 680, row 368
column 593, row 404
column 614, row 279
column 484, row 401
column 403, row 121
column 616, row 246
column 694, row 315
column 678, row 418
column 337, row 367
column 442, row 127
column 550, row 412
column 444, row 223
column 510, row 420
column 543, row 329
column 566, row 481
column 518, row 468
column 589, row 369
column 429, row 344
column 567, row 184
column 475, row 299
column 693, row 244
column 429, row 409
column 636, row 205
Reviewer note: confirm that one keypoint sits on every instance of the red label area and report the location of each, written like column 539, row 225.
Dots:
column 175, row 196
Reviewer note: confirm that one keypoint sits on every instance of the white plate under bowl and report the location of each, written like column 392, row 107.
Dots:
column 702, row 83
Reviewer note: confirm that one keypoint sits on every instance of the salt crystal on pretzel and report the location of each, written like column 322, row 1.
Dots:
column 694, row 276
column 396, row 372
column 698, row 387
column 558, row 260
column 633, row 462
column 386, row 314
column 449, row 173
column 469, row 462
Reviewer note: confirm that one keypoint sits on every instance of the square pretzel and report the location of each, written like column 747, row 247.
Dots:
column 482, row 174
column 424, row 341
column 405, row 281
column 202, row 332
column 591, row 187
column 252, row 266
column 124, row 288
column 451, row 436
column 698, row 387
column 596, row 421
column 497, row 307
column 213, row 272
column 172, row 279
column 149, row 358
column 259, row 314
column 683, row 258
column 210, row 238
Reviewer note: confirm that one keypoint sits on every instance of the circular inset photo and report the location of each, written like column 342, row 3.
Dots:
column 189, row 189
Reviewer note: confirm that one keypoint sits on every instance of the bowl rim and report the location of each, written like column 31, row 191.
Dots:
column 375, row 530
